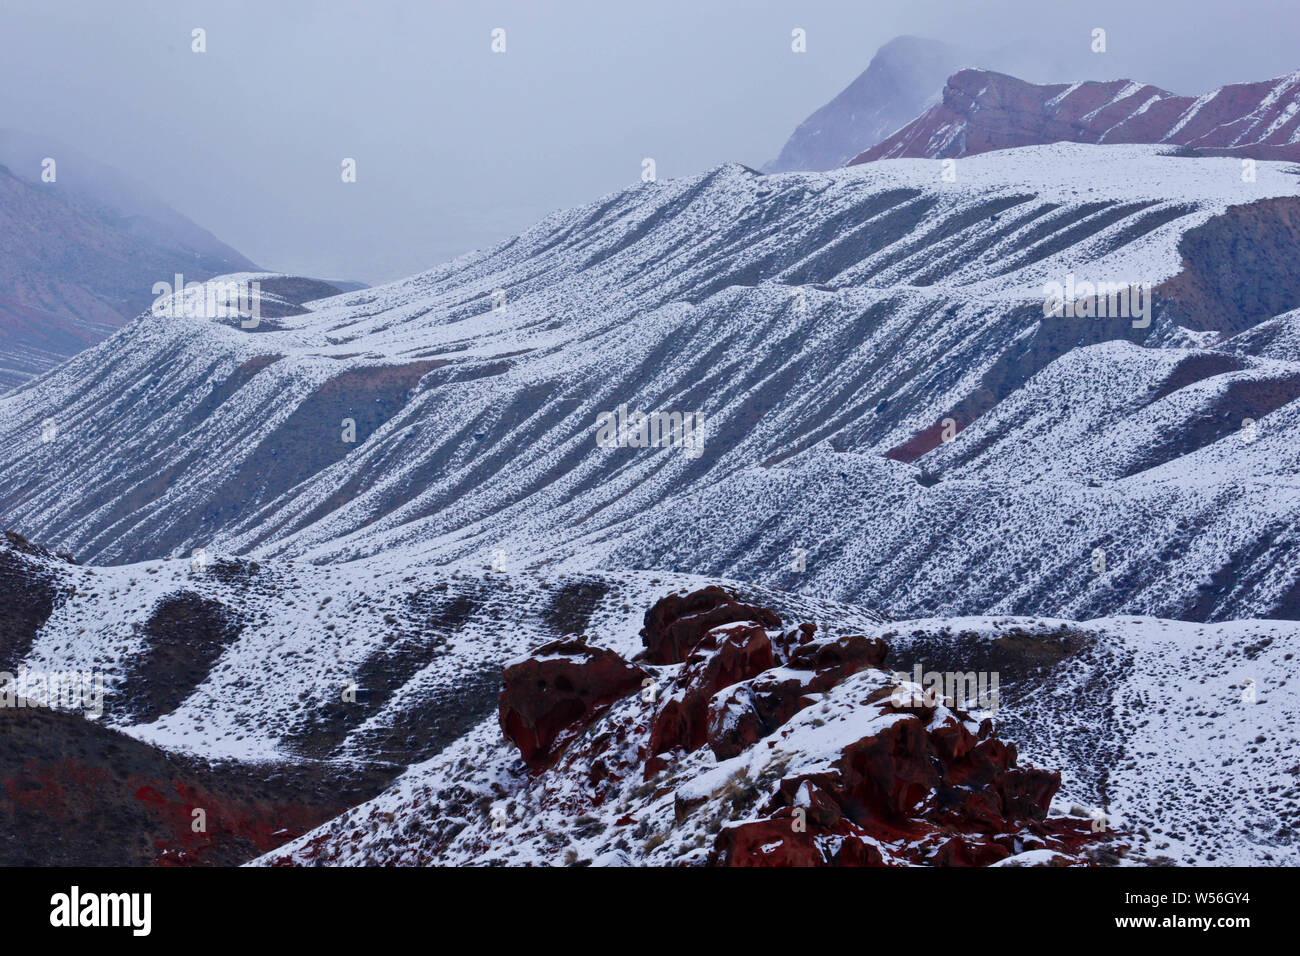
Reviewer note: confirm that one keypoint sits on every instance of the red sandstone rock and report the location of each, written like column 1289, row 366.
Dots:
column 733, row 722
column 923, row 785
column 755, row 709
column 791, row 639
column 777, row 842
column 965, row 851
column 675, row 624
column 552, row 695
column 724, row 656
column 916, row 784
column 888, row 776
column 836, row 659
column 765, row 843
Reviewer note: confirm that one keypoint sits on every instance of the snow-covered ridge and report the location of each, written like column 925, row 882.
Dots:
column 280, row 645
column 816, row 321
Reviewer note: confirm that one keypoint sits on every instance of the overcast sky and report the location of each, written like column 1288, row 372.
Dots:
column 457, row 147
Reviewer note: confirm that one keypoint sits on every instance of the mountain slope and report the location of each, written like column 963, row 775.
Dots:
column 825, row 325
column 250, row 661
column 116, row 197
column 982, row 110
column 79, row 256
column 1181, row 734
column 32, row 341
column 1165, row 733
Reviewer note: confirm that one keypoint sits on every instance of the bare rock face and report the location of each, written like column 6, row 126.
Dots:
column 552, row 695
column 850, row 766
column 982, row 111
column 774, row 842
column 676, row 624
column 755, row 708
column 923, row 790
column 724, row 656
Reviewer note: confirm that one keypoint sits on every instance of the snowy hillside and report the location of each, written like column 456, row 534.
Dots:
column 1160, row 745
column 825, row 325
column 1179, row 734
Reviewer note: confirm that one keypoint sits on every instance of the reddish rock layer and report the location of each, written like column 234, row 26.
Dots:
column 982, row 111
column 675, row 624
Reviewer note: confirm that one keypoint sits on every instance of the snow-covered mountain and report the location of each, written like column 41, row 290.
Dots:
column 981, row 110
column 899, row 83
column 825, row 325
column 314, row 542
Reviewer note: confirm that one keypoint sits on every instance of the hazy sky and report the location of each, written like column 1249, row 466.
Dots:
column 457, row 147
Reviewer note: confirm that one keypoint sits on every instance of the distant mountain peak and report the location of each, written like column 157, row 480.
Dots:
column 982, row 110
column 903, row 76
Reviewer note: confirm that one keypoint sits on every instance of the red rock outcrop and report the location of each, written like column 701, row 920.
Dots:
column 724, row 656
column 675, row 624
column 934, row 795
column 925, row 783
column 871, row 778
column 548, row 698
column 755, row 708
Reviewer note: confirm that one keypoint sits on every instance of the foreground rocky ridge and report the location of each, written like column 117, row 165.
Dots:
column 1145, row 719
column 242, row 660
column 867, row 777
column 728, row 740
